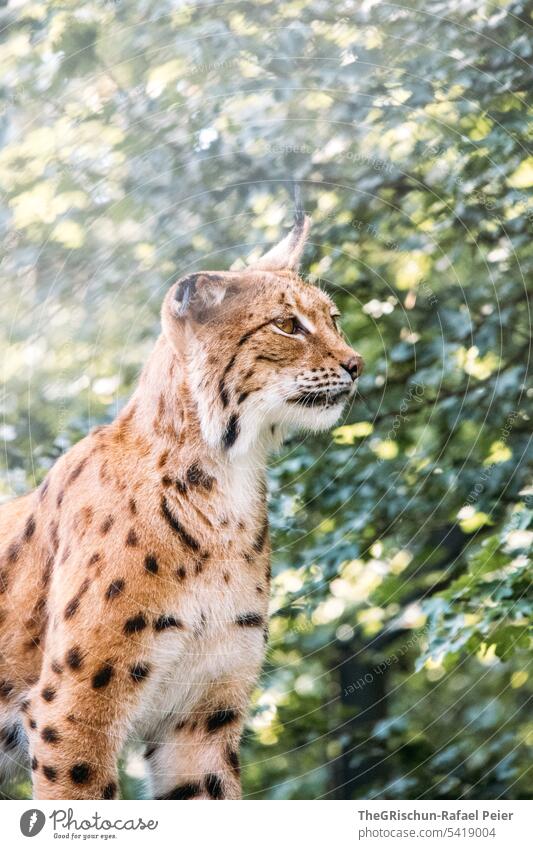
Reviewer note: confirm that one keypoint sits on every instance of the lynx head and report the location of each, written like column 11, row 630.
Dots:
column 262, row 348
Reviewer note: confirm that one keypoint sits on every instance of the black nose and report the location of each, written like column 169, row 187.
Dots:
column 354, row 366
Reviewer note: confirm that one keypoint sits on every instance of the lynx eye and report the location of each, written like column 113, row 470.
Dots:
column 289, row 326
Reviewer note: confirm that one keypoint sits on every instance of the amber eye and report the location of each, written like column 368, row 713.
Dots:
column 287, row 325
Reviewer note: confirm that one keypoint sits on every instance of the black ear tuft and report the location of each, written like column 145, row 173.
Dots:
column 287, row 253
column 299, row 213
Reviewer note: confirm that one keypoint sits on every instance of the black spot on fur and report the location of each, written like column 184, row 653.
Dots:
column 107, row 524
column 166, row 621
column 233, row 760
column 250, row 333
column 132, row 504
column 38, row 608
column 115, row 588
column 176, row 526
column 60, row 497
column 250, row 620
column 199, row 628
column 33, row 724
column 47, row 571
column 10, row 737
column 181, row 573
column 231, row 432
column 77, row 471
column 183, row 791
column 48, row 694
column 139, row 672
column 56, row 667
column 151, row 564
column 71, row 608
column 265, row 358
column 94, row 558
column 259, row 542
column 103, row 676
column 29, row 530
column 54, row 536
column 197, row 477
column 135, row 624
column 213, row 785
column 34, row 763
column 80, row 773
column 223, row 394
column 74, row 658
column 151, row 750
column 109, row 791
column 50, row 773
column 132, row 539
column 222, row 385
column 74, row 603
column 220, row 718
column 49, row 735
column 13, row 552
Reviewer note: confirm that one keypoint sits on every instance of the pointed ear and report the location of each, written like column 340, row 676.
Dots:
column 288, row 252
column 196, row 295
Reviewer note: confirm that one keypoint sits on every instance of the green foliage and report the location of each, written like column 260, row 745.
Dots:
column 144, row 139
column 489, row 605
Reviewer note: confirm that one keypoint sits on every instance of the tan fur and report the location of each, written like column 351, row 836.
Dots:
column 134, row 581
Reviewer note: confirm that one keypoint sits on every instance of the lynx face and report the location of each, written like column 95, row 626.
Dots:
column 264, row 353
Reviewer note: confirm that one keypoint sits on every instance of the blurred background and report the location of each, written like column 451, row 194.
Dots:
column 144, row 139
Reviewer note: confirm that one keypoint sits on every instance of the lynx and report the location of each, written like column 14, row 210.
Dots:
column 135, row 579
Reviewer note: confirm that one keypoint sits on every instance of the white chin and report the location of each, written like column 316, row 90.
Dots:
column 311, row 418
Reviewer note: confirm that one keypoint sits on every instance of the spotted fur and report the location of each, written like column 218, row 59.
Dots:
column 134, row 580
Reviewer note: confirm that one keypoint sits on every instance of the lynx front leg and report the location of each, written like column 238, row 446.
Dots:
column 199, row 756
column 73, row 753
column 78, row 715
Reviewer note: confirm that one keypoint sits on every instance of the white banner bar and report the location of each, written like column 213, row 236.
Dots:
column 268, row 824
